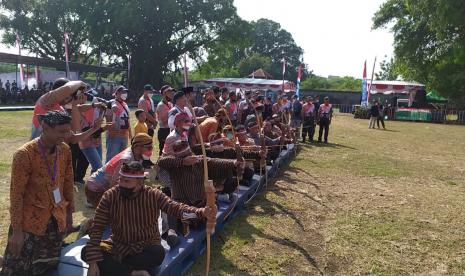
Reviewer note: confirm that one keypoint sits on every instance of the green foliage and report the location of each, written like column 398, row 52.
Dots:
column 246, row 46
column 7, row 68
column 332, row 83
column 156, row 33
column 388, row 70
column 361, row 113
column 270, row 40
column 42, row 24
column 429, row 42
column 252, row 63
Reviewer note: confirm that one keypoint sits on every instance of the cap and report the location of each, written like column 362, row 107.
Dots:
column 118, row 88
column 215, row 89
column 240, row 129
column 148, row 87
column 141, row 139
column 188, row 89
column 133, row 170
column 165, row 88
column 251, row 124
column 181, row 118
column 199, row 111
column 177, row 96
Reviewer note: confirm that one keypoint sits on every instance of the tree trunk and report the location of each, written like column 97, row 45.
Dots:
column 146, row 68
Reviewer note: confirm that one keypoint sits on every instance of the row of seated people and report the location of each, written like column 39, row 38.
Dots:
column 131, row 209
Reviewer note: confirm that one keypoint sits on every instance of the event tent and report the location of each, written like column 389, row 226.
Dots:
column 250, row 84
column 394, row 87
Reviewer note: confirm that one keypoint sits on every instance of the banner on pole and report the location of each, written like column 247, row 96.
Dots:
column 299, row 76
column 363, row 101
column 66, row 54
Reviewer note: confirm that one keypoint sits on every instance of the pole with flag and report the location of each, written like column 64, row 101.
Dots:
column 129, row 69
column 364, row 101
column 284, row 71
column 66, row 54
column 21, row 68
column 37, row 75
column 185, row 70
column 99, row 64
column 299, row 76
column 371, row 81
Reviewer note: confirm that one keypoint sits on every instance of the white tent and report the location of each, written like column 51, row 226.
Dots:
column 250, row 84
column 393, row 87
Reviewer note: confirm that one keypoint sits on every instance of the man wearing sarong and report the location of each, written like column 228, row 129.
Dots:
column 41, row 199
column 132, row 210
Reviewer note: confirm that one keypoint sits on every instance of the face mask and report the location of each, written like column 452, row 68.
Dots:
column 186, row 127
column 146, row 155
column 124, row 96
column 126, row 193
column 229, row 135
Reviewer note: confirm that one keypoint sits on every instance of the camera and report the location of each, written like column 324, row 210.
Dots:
column 91, row 94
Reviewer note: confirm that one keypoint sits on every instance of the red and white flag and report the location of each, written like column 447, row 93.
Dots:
column 371, row 81
column 185, row 70
column 284, row 66
column 129, row 69
column 66, row 53
column 21, row 68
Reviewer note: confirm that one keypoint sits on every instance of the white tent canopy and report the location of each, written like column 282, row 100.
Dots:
column 250, row 84
column 393, row 87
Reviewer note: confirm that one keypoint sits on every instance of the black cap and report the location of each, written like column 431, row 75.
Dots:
column 148, row 87
column 215, row 89
column 177, row 96
column 188, row 89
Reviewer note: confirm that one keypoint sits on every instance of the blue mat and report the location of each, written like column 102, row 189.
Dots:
column 178, row 260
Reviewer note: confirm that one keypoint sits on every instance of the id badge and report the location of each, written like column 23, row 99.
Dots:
column 57, row 195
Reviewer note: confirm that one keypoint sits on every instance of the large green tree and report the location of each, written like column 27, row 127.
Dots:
column 388, row 70
column 429, row 42
column 332, row 83
column 252, row 63
column 156, row 33
column 270, row 40
column 41, row 26
column 234, row 52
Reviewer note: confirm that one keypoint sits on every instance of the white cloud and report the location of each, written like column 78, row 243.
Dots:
column 336, row 35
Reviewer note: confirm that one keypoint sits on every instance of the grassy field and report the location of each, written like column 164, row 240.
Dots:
column 371, row 202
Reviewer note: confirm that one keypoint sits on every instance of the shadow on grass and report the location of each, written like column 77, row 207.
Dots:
column 249, row 227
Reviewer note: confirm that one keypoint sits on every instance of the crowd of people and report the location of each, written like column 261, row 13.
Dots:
column 242, row 132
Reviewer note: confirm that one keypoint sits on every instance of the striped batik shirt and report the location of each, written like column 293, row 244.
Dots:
column 187, row 181
column 134, row 221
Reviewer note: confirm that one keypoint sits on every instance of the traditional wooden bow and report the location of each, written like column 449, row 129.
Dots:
column 239, row 156
column 209, row 191
column 262, row 142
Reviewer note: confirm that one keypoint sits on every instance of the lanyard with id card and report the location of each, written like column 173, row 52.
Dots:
column 52, row 172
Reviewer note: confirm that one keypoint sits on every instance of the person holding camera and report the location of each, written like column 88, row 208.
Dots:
column 120, row 133
column 91, row 147
column 61, row 96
